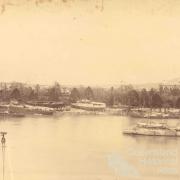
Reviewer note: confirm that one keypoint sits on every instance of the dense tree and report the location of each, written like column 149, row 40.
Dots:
column 178, row 103
column 175, row 91
column 37, row 90
column 111, row 97
column 16, row 94
column 57, row 88
column 89, row 93
column 100, row 94
column 167, row 104
column 54, row 92
column 74, row 96
column 161, row 89
column 53, row 95
column 123, row 98
column 133, row 98
column 32, row 95
column 144, row 98
column 156, row 101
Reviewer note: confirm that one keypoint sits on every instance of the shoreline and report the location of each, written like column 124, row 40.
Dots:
column 21, row 110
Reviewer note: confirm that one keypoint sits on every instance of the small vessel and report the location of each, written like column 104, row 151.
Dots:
column 11, row 114
column 136, row 114
column 152, row 125
column 29, row 109
column 154, row 115
column 153, row 129
column 15, row 114
column 157, row 116
column 89, row 105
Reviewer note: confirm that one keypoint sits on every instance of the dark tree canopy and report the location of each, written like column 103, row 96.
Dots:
column 178, row 103
column 16, row 94
column 156, row 101
column 168, row 104
column 89, row 93
column 53, row 95
column 74, row 96
column 175, row 91
column 32, row 95
column 133, row 98
column 144, row 98
column 110, row 98
column 55, row 92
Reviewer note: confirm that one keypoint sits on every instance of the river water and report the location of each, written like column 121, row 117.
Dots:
column 90, row 147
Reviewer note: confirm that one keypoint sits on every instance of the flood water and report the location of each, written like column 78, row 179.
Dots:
column 85, row 148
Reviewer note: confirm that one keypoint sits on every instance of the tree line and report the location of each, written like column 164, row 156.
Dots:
column 128, row 96
column 23, row 92
column 125, row 95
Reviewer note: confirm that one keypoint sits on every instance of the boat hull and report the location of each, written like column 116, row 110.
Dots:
column 152, row 132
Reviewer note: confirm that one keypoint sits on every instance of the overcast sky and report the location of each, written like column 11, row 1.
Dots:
column 77, row 43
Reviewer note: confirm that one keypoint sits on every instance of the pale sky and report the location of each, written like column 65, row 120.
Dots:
column 76, row 43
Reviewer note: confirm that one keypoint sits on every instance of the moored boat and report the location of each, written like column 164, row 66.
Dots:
column 89, row 105
column 151, row 132
column 28, row 109
column 11, row 114
column 152, row 125
column 17, row 115
column 154, row 115
column 153, row 129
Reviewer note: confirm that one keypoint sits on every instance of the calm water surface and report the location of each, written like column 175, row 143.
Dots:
column 85, row 148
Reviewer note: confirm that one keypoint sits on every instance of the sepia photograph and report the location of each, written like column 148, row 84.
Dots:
column 89, row 89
